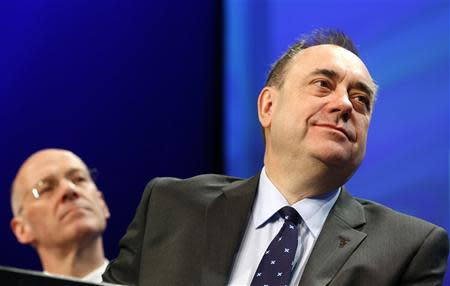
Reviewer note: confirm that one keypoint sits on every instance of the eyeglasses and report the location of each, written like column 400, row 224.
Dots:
column 45, row 188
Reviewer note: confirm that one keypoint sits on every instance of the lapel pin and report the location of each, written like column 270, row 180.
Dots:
column 343, row 242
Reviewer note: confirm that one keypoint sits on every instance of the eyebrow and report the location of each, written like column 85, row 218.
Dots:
column 334, row 75
column 326, row 72
column 68, row 173
column 75, row 171
column 364, row 87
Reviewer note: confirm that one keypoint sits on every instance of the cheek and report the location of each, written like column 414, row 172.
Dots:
column 362, row 127
column 97, row 205
column 296, row 112
column 39, row 220
column 37, row 210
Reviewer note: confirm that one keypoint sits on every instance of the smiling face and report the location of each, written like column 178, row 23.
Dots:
column 321, row 110
column 69, row 207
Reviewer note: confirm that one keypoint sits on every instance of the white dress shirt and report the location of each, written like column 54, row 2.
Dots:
column 264, row 225
column 94, row 276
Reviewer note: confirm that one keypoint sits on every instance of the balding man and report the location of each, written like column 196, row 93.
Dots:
column 58, row 210
column 293, row 223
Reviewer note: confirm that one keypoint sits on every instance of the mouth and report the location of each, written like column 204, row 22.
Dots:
column 73, row 209
column 342, row 130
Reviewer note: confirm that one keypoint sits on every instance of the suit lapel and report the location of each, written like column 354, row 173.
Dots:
column 337, row 241
column 226, row 220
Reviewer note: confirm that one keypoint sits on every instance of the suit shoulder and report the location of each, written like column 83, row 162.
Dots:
column 208, row 184
column 189, row 197
column 206, row 180
column 398, row 222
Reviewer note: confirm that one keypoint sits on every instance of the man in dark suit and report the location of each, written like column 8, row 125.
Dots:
column 315, row 111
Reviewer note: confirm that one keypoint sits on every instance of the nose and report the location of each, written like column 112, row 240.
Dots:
column 69, row 190
column 341, row 105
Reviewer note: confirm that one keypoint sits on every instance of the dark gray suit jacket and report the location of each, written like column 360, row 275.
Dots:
column 187, row 232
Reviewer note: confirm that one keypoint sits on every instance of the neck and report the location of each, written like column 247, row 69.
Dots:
column 76, row 260
column 299, row 179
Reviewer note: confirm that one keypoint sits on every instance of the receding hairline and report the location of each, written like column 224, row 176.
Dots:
column 316, row 37
column 16, row 184
column 373, row 87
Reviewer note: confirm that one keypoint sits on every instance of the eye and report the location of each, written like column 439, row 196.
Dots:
column 45, row 188
column 78, row 179
column 361, row 100
column 322, row 83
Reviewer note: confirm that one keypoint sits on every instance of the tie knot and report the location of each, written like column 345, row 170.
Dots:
column 289, row 214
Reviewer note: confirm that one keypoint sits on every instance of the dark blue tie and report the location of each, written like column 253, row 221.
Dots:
column 275, row 268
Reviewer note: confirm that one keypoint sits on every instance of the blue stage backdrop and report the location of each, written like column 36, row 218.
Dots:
column 133, row 87
column 405, row 45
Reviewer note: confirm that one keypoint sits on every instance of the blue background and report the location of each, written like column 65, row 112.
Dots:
column 132, row 87
column 405, row 45
column 141, row 89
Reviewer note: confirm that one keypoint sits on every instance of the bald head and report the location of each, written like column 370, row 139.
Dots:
column 59, row 210
column 36, row 167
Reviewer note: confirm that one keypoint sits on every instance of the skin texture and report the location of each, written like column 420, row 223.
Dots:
column 316, row 122
column 66, row 223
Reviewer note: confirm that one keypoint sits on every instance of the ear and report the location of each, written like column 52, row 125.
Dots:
column 103, row 205
column 265, row 105
column 22, row 230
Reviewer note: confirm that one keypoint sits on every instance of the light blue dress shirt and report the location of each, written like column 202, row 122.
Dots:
column 264, row 225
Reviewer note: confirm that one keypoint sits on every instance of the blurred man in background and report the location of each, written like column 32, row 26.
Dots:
column 59, row 211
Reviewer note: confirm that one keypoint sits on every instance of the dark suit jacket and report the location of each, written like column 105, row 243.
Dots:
column 187, row 232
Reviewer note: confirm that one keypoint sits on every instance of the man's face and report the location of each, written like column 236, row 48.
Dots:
column 69, row 207
column 322, row 109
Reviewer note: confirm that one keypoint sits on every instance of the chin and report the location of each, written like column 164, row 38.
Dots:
column 87, row 228
column 342, row 164
column 334, row 154
column 333, row 160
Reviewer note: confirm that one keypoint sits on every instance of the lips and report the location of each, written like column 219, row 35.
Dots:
column 72, row 208
column 348, row 133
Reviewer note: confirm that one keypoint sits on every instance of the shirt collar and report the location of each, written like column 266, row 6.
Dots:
column 269, row 201
column 96, row 274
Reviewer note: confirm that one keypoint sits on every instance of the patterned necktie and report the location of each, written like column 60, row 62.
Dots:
column 275, row 268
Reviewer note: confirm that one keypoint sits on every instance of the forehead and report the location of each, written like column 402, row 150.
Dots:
column 330, row 57
column 49, row 163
